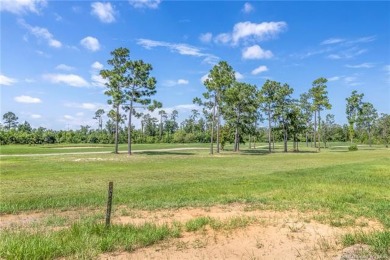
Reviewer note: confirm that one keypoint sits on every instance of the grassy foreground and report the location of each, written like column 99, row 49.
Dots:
column 341, row 185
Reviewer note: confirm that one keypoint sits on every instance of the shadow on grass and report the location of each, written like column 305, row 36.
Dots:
column 254, row 152
column 165, row 153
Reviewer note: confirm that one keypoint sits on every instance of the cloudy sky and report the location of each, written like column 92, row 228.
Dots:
column 52, row 51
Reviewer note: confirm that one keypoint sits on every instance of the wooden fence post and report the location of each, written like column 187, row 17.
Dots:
column 109, row 203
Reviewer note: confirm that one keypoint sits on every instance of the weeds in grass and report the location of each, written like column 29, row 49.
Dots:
column 197, row 223
column 379, row 241
column 81, row 240
column 295, row 228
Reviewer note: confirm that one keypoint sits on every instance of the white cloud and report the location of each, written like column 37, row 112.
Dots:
column 22, row 6
column 152, row 4
column 186, row 107
column 28, row 80
column 68, row 79
column 334, row 57
column 360, row 66
column 364, row 39
column 4, row 80
column 347, row 53
column 223, row 38
column 41, row 33
column 247, row 8
column 332, row 41
column 182, row 82
column 98, row 81
column 259, row 70
column 203, row 78
column 171, row 83
column 252, row 31
column 352, row 81
column 206, row 37
column 35, row 116
column 335, row 78
column 86, row 106
column 104, row 11
column 238, row 75
column 90, row 43
column 256, row 52
column 68, row 117
column 27, row 99
column 97, row 65
column 64, row 67
column 183, row 49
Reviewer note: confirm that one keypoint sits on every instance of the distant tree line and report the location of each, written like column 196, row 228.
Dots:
column 231, row 113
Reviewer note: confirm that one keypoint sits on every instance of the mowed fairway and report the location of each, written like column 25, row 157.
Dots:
column 339, row 186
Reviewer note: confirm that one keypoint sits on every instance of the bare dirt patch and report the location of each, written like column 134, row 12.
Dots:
column 270, row 234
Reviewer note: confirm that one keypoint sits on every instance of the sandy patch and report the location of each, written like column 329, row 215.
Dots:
column 269, row 235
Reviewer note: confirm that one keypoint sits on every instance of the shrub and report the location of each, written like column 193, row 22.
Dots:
column 353, row 147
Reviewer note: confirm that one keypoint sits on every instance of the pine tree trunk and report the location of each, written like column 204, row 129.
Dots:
column 315, row 129
column 307, row 141
column 285, row 139
column 236, row 140
column 319, row 131
column 269, row 130
column 129, row 129
column 212, row 131
column 117, row 129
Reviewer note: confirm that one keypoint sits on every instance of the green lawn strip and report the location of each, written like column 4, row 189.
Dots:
column 312, row 183
column 82, row 240
column 79, row 148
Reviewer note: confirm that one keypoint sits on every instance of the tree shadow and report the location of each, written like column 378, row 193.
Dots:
column 254, row 152
column 165, row 153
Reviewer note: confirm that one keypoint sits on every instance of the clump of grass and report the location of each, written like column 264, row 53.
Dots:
column 229, row 224
column 379, row 241
column 197, row 223
column 81, row 240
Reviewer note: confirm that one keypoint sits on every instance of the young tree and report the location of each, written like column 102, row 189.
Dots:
column 367, row 118
column 99, row 117
column 353, row 109
column 140, row 86
column 10, row 120
column 163, row 116
column 220, row 78
column 297, row 121
column 116, row 84
column 307, row 113
column 320, row 102
column 267, row 97
column 283, row 104
column 241, row 104
column 129, row 82
column 327, row 127
column 383, row 128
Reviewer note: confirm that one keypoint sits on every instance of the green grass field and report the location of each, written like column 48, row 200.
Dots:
column 340, row 185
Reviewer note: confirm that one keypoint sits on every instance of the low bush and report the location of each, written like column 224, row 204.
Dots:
column 353, row 147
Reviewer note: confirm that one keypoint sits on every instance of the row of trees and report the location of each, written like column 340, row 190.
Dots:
column 193, row 129
column 231, row 112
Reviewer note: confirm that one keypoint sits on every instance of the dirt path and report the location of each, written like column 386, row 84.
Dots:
column 245, row 233
column 103, row 152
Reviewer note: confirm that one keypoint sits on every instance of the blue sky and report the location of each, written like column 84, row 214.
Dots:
column 52, row 51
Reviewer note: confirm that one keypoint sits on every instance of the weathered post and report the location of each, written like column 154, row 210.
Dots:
column 109, row 203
